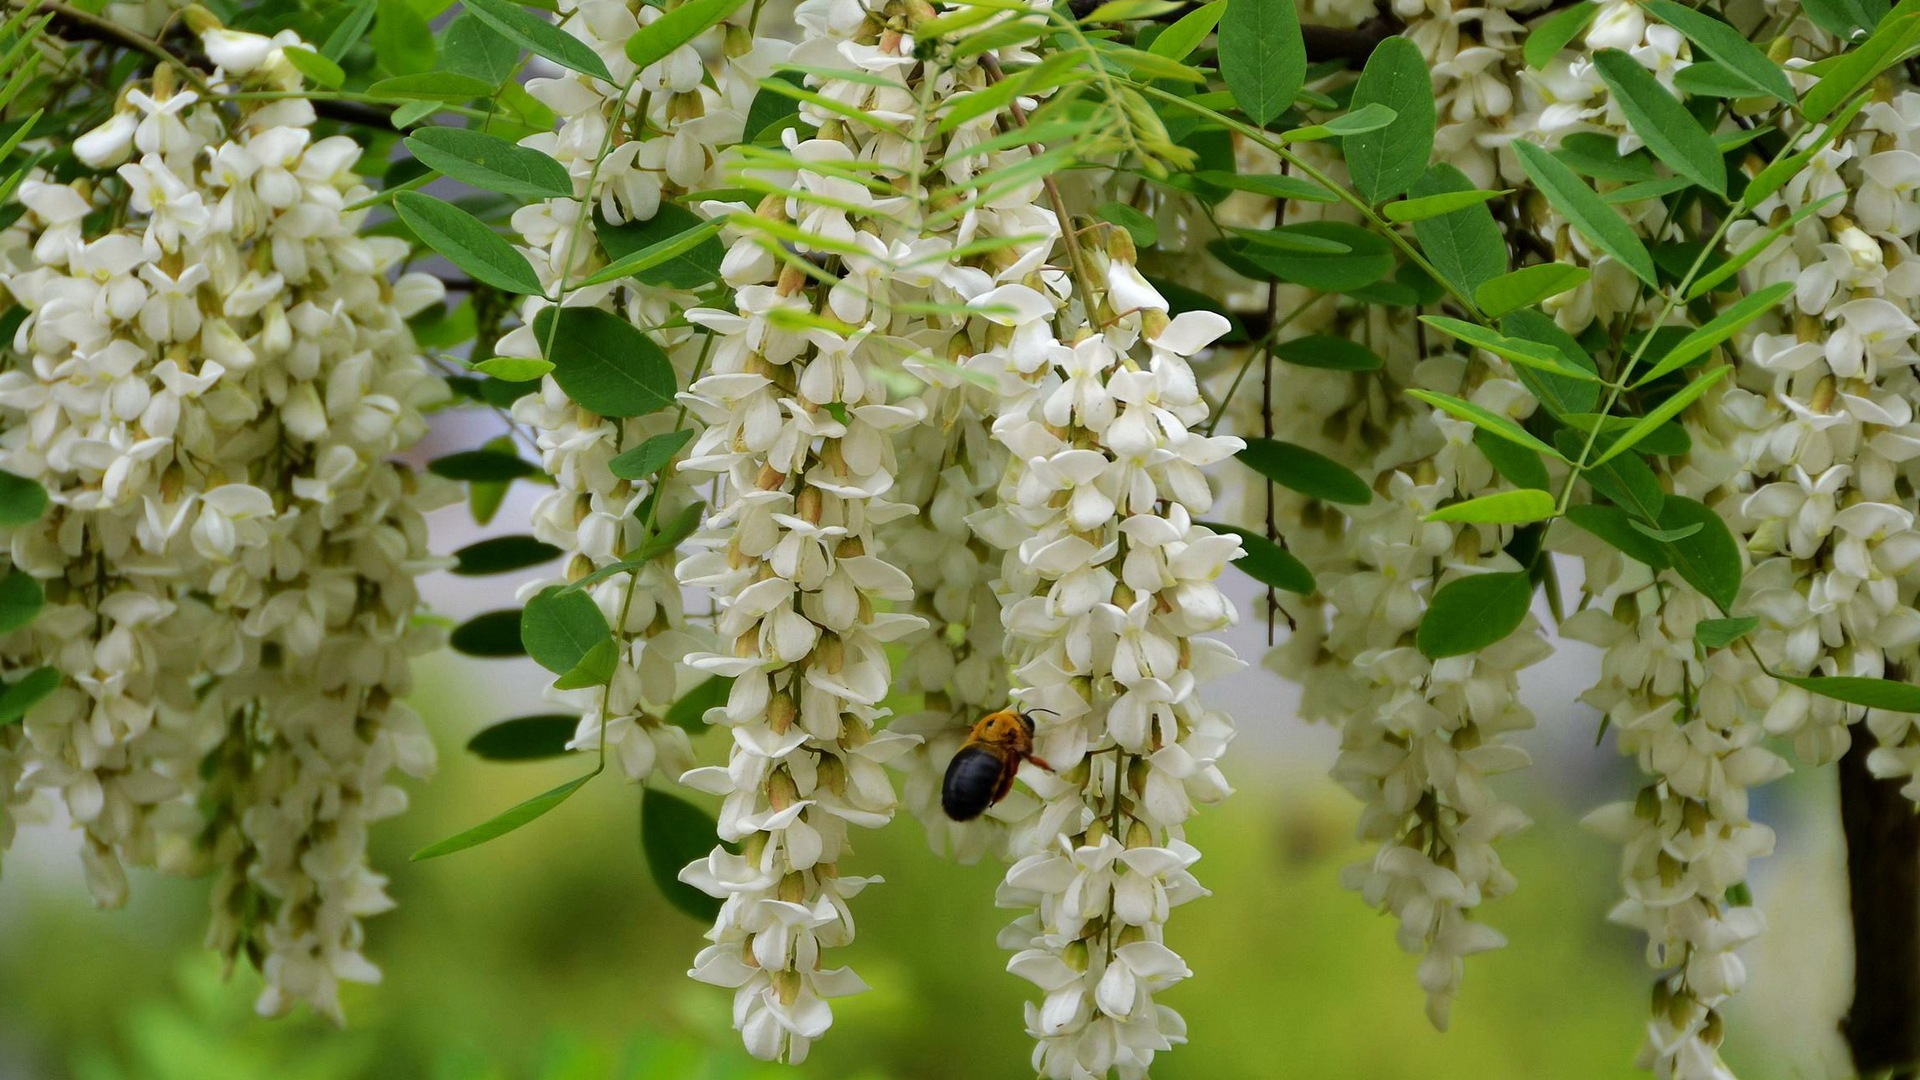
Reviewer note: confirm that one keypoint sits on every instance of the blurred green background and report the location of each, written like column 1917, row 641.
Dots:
column 549, row 954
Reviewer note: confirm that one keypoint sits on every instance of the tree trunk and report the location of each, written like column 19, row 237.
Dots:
column 1882, row 1027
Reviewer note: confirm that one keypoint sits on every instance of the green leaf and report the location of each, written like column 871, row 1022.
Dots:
column 1725, row 44
column 1708, row 560
column 1178, row 41
column 596, row 668
column 1143, row 229
column 1889, row 44
column 651, row 456
column 429, row 86
column 318, row 69
column 467, row 243
column 482, row 465
column 22, row 501
column 493, row 634
column 1368, row 259
column 1290, row 239
column 604, row 363
column 1362, row 120
column 674, row 249
column 1709, row 78
column 474, row 49
column 489, row 162
column 513, row 369
column 1722, row 327
column 1500, row 508
column 1664, row 124
column 1384, row 163
column 1592, row 154
column 21, row 598
column 1267, row 562
column 1517, row 350
column 1520, row 466
column 1263, row 58
column 1613, row 525
column 1490, row 422
column 1528, row 286
column 1720, row 633
column 1271, row 186
column 674, row 833
column 502, row 554
column 1626, row 480
column 1560, row 395
column 1579, row 205
column 559, row 628
column 690, row 712
column 402, row 40
column 771, row 110
column 669, row 535
column 1123, row 10
column 525, row 738
column 31, row 689
column 1328, row 352
column 677, row 27
column 507, row 821
column 349, row 30
column 539, row 37
column 1300, row 469
column 1470, row 613
column 1435, row 205
column 1664, row 412
column 1464, row 245
column 1712, row 279
column 1883, row 694
column 1848, row 20
column 1552, row 34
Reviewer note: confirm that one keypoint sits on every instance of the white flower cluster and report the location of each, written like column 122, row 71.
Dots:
column 629, row 144
column 211, row 373
column 1107, row 582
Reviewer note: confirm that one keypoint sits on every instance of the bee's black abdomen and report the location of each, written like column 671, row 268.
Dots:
column 973, row 778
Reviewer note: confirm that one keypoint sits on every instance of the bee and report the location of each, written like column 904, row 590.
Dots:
column 982, row 772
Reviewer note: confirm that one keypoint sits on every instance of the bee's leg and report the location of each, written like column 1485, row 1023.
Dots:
column 1042, row 762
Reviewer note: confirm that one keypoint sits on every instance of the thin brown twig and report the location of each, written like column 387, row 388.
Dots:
column 75, row 25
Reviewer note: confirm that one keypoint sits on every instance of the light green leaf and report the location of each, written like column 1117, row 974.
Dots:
column 1143, row 229
column 1434, row 205
column 1267, row 562
column 1613, row 525
column 1470, row 613
column 1464, row 245
column 1775, row 175
column 1305, row 471
column 1579, row 205
column 559, row 628
column 1362, row 120
column 539, row 37
column 1517, row 350
column 1722, row 327
column 402, row 40
column 654, row 41
column 1328, row 352
column 17, row 698
column 507, row 821
column 1501, row 508
column 1712, row 278
column 1664, row 412
column 1883, row 694
column 1263, row 58
column 1556, row 32
column 674, row 833
column 1725, row 44
column 1178, row 41
column 514, row 369
column 605, row 363
column 467, row 242
column 594, row 669
column 1490, row 422
column 1560, row 396
column 1720, row 633
column 1528, row 286
column 1124, row 10
column 649, row 457
column 1891, row 43
column 473, row 48
column 1385, row 162
column 318, row 69
column 489, row 162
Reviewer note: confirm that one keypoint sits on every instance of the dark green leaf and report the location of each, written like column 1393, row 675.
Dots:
column 1465, row 245
column 482, row 465
column 474, row 49
column 670, row 533
column 1889, row 44
column 558, row 628
column 402, row 40
column 502, row 554
column 1725, row 44
column 22, row 501
column 604, row 363
column 506, row 822
column 21, row 598
column 690, row 712
column 674, row 249
column 1592, row 154
column 1883, row 694
column 1521, row 467
column 1610, row 523
column 1144, row 230
column 1263, row 58
column 596, row 668
column 490, row 162
column 494, row 634
column 1579, row 205
column 1556, row 32
column 649, row 457
column 1664, row 412
column 1267, row 562
column 1470, row 613
column 31, row 689
column 1848, row 20
column 1429, row 206
column 525, row 738
column 677, row 27
column 1720, row 633
column 350, row 29
column 1273, row 187
column 1708, row 560
column 429, row 86
column 467, row 243
column 771, row 109
column 1722, row 327
column 1625, row 480
column 1326, row 351
column 1300, row 469
column 674, row 833
column 1384, row 162
column 538, row 36
column 1664, row 124
column 1368, row 259
column 1518, row 351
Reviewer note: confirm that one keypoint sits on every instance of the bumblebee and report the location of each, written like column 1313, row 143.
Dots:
column 982, row 772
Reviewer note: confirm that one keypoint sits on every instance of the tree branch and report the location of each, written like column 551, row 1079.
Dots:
column 1882, row 1027
column 72, row 24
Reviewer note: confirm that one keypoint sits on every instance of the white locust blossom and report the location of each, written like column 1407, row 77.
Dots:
column 209, row 385
column 1107, row 583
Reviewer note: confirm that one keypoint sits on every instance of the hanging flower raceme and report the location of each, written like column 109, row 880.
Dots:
column 208, row 389
column 1107, row 583
column 631, row 145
